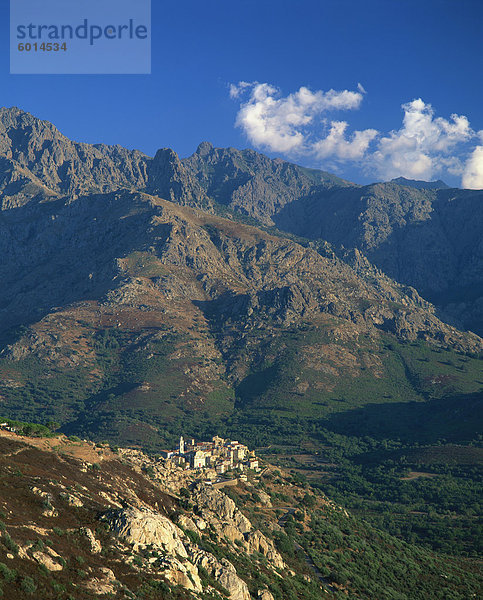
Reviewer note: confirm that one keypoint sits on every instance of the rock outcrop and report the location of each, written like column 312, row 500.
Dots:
column 220, row 510
column 229, row 522
column 147, row 528
column 257, row 542
column 224, row 572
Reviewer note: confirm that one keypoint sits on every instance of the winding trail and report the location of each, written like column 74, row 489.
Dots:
column 308, row 558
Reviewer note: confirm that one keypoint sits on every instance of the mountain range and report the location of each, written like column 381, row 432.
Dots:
column 333, row 327
column 424, row 235
column 153, row 290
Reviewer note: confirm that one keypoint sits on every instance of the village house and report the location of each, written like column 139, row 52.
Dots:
column 219, row 454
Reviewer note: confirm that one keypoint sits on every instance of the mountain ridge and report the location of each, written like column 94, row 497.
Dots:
column 147, row 297
column 136, row 276
column 427, row 238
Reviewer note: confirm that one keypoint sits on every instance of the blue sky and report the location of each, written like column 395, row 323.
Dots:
column 377, row 56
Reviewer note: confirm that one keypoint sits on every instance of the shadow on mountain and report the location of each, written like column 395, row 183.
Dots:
column 456, row 418
column 429, row 239
column 96, row 408
column 60, row 253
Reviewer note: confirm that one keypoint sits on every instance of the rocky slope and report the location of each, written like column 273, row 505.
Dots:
column 123, row 313
column 38, row 162
column 81, row 521
column 105, row 529
column 424, row 235
column 251, row 184
column 429, row 239
column 136, row 303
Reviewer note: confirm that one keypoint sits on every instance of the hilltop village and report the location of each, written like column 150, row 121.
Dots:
column 219, row 454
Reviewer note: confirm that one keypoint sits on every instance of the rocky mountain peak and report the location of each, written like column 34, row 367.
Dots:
column 421, row 185
column 204, row 148
column 169, row 179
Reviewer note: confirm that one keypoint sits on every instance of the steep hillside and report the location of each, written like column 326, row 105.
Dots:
column 421, row 234
column 251, row 184
column 133, row 309
column 80, row 521
column 430, row 239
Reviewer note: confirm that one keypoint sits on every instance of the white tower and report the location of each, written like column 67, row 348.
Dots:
column 181, row 445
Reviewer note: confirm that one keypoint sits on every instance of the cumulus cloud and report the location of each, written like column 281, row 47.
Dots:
column 422, row 147
column 281, row 123
column 473, row 173
column 298, row 125
column 336, row 145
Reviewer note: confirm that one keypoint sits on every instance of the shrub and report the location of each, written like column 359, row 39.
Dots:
column 309, row 501
column 44, row 571
column 7, row 574
column 138, row 561
column 38, row 545
column 9, row 543
column 28, row 585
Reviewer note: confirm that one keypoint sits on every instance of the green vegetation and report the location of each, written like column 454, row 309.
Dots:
column 6, row 573
column 367, row 413
column 9, row 543
column 352, row 558
column 28, row 585
column 374, row 564
column 29, row 429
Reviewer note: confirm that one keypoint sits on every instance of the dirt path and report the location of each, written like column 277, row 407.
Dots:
column 86, row 451
column 315, row 569
column 308, row 559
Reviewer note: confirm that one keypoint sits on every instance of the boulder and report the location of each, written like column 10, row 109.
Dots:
column 181, row 573
column 47, row 561
column 232, row 533
column 71, row 499
column 264, row 498
column 104, row 584
column 229, row 579
column 223, row 571
column 94, row 544
column 257, row 542
column 146, row 527
column 220, row 510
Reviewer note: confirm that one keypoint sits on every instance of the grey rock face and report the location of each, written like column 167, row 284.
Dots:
column 145, row 528
column 424, row 235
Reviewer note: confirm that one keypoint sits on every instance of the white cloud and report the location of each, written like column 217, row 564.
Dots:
column 237, row 90
column 421, row 148
column 473, row 173
column 280, row 123
column 335, row 145
column 296, row 125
